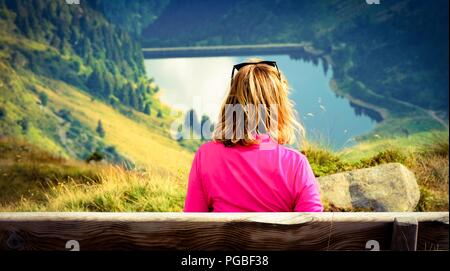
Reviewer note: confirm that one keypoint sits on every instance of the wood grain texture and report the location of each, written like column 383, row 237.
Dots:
column 211, row 231
column 404, row 234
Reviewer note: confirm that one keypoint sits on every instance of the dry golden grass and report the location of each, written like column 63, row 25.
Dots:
column 114, row 190
column 135, row 140
column 44, row 182
column 432, row 171
column 32, row 179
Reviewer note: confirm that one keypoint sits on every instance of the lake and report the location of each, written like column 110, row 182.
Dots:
column 201, row 83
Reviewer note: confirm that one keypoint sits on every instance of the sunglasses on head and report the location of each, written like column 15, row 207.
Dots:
column 241, row 65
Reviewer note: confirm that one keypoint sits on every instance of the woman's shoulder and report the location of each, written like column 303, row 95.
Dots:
column 293, row 154
column 208, row 146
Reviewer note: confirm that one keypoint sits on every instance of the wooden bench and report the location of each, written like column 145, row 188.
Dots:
column 224, row 231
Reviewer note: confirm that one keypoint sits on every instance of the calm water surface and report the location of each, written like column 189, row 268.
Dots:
column 201, row 83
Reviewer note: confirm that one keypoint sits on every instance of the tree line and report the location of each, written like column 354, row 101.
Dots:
column 84, row 49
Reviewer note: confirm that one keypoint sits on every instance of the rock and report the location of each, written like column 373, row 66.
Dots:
column 384, row 188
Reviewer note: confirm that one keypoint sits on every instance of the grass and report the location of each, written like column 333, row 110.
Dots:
column 115, row 190
column 32, row 179
column 432, row 170
column 26, row 170
column 140, row 138
column 407, row 144
column 426, row 155
column 136, row 138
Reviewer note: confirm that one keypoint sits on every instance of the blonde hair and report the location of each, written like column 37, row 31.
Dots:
column 262, row 86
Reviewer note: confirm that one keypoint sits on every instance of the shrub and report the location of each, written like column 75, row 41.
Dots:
column 24, row 124
column 65, row 114
column 429, row 201
column 2, row 113
column 43, row 98
column 439, row 146
column 383, row 157
column 324, row 162
column 159, row 114
column 95, row 156
column 147, row 109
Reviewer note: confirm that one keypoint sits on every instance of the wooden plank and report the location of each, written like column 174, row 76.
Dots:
column 432, row 236
column 211, row 231
column 279, row 218
column 404, row 234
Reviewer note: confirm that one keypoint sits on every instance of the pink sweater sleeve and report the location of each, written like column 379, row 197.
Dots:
column 308, row 192
column 196, row 199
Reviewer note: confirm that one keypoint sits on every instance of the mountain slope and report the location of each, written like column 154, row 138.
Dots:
column 48, row 49
column 40, row 108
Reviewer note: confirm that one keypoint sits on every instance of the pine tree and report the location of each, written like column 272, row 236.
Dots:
column 95, row 82
column 55, row 42
column 140, row 102
column 109, row 85
column 134, row 100
column 43, row 98
column 100, row 130
column 147, row 109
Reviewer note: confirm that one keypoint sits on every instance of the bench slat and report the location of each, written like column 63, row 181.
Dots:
column 211, row 231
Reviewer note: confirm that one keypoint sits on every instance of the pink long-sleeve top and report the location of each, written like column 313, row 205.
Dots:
column 267, row 177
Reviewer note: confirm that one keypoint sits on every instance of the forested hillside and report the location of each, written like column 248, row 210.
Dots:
column 132, row 16
column 48, row 45
column 84, row 49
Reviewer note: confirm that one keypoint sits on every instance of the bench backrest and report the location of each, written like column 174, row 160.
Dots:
column 224, row 231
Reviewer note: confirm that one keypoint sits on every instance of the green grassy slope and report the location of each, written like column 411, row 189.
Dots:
column 32, row 179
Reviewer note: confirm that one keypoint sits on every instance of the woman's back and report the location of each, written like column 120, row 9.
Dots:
column 246, row 168
column 265, row 177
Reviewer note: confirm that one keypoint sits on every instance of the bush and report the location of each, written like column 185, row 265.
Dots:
column 438, row 146
column 65, row 114
column 159, row 114
column 147, row 109
column 383, row 157
column 324, row 162
column 43, row 98
column 2, row 113
column 430, row 202
column 24, row 124
column 95, row 156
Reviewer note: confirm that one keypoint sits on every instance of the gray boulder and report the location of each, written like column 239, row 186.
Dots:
column 384, row 188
